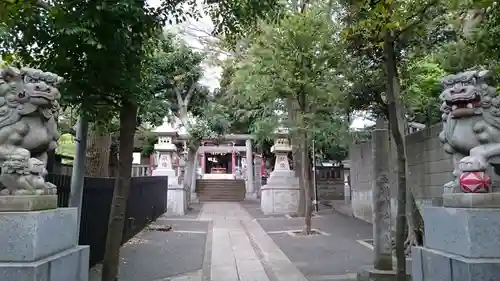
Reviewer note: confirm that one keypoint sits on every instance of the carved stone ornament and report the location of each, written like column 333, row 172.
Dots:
column 471, row 130
column 28, row 129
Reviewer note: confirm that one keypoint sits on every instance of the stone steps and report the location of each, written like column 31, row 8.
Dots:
column 220, row 190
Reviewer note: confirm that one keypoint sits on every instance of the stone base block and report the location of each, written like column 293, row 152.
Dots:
column 282, row 177
column 69, row 265
column 194, row 198
column 279, row 200
column 372, row 274
column 468, row 232
column 165, row 172
column 435, row 265
column 472, row 200
column 176, row 201
column 251, row 195
column 27, row 203
column 30, row 236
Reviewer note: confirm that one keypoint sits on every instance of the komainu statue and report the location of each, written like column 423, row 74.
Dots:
column 471, row 130
column 28, row 129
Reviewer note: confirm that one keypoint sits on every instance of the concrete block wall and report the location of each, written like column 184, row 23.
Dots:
column 361, row 179
column 429, row 167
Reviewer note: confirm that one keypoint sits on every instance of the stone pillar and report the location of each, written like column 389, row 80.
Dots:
column 194, row 177
column 382, row 241
column 233, row 163
column 281, row 193
column 381, row 199
column 176, row 195
column 202, row 163
column 347, row 189
column 249, row 162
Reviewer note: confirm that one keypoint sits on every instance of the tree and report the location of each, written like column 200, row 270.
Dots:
column 177, row 71
column 382, row 28
column 294, row 61
column 479, row 25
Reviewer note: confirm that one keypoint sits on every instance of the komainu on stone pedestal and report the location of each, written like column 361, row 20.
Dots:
column 471, row 130
column 28, row 129
column 462, row 237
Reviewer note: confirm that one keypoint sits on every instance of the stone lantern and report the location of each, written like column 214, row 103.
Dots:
column 165, row 148
column 281, row 193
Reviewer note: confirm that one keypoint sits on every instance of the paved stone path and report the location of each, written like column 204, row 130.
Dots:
column 235, row 242
column 241, row 250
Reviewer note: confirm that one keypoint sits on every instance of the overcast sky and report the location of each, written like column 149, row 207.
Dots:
column 196, row 33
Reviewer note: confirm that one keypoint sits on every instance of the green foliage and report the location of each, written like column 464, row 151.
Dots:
column 479, row 49
column 174, row 70
column 415, row 27
column 105, row 55
column 422, row 86
column 233, row 19
column 148, row 139
column 292, row 57
column 54, row 41
column 170, row 68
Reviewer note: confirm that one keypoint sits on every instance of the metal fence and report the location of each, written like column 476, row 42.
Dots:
column 137, row 170
column 146, row 202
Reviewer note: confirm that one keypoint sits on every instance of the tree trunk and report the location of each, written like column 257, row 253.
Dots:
column 394, row 106
column 97, row 164
column 194, row 171
column 305, row 163
column 292, row 108
column 305, row 160
column 415, row 235
column 297, row 166
column 113, row 157
column 128, row 119
column 311, row 169
column 189, row 170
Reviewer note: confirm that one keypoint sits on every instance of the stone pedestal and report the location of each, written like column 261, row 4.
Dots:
column 27, row 203
column 42, row 246
column 176, row 194
column 461, row 244
column 281, row 193
column 249, row 161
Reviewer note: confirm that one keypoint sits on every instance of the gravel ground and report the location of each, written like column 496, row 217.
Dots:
column 155, row 255
column 322, row 257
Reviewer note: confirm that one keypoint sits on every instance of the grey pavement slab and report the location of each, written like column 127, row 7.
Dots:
column 183, row 225
column 192, row 214
column 253, row 208
column 241, row 250
column 337, row 256
column 159, row 255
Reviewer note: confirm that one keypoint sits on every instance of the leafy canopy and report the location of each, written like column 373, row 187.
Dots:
column 296, row 57
column 104, row 55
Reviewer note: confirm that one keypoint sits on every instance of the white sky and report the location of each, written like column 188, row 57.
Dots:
column 196, row 33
